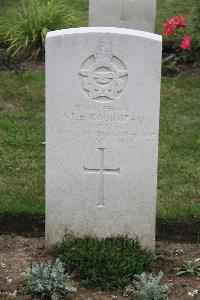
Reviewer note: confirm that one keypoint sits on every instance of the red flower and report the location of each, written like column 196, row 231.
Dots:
column 182, row 22
column 173, row 24
column 168, row 32
column 169, row 25
column 174, row 21
column 186, row 43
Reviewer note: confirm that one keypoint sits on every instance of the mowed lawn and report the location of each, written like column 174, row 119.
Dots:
column 179, row 157
column 22, row 133
column 21, row 148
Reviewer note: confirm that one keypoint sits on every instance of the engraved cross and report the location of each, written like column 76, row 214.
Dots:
column 102, row 171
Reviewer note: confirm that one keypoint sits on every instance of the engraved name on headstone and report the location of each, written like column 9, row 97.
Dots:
column 133, row 14
column 102, row 124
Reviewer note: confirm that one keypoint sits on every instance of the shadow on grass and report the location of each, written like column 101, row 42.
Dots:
column 34, row 226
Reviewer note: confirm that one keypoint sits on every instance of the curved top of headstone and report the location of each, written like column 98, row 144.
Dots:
column 112, row 30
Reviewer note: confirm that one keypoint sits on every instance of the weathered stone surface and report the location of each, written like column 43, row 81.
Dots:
column 133, row 14
column 102, row 124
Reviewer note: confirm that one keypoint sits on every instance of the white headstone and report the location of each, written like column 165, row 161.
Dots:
column 133, row 14
column 102, row 124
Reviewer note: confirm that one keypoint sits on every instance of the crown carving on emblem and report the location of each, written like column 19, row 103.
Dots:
column 103, row 52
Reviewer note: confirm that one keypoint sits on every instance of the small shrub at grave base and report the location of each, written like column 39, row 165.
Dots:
column 148, row 287
column 47, row 281
column 25, row 32
column 108, row 263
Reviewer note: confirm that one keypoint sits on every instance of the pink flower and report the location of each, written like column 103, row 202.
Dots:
column 186, row 43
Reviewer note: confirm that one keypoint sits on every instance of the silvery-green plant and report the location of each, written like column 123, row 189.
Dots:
column 148, row 287
column 47, row 280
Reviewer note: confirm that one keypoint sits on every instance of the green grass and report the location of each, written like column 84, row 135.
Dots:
column 108, row 263
column 8, row 4
column 22, row 151
column 21, row 148
column 81, row 8
column 179, row 165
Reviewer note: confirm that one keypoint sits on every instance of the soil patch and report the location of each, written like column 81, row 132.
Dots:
column 18, row 252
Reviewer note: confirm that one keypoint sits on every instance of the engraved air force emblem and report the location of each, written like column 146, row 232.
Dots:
column 103, row 76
